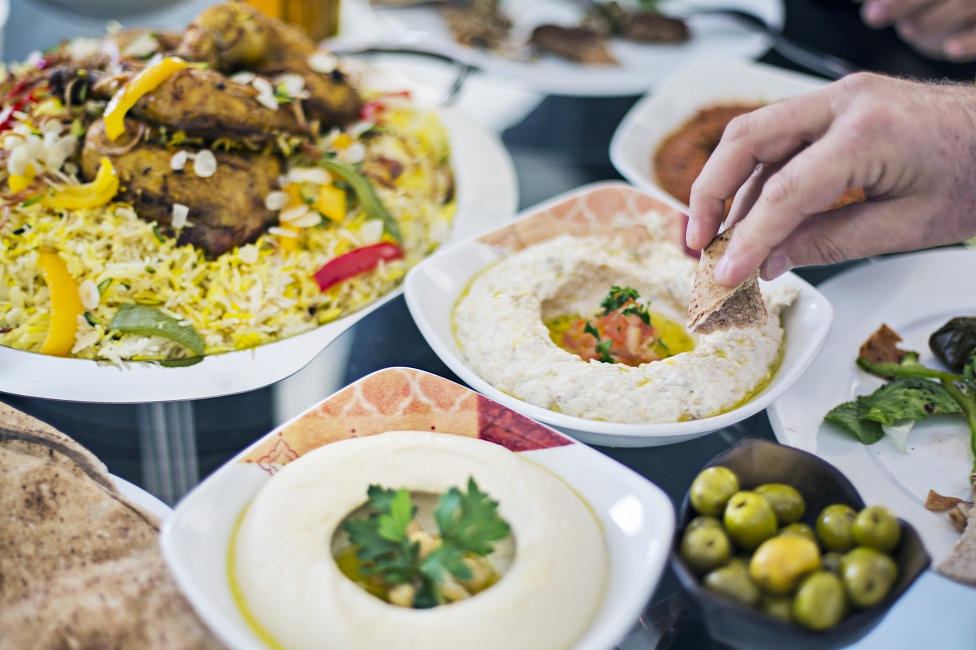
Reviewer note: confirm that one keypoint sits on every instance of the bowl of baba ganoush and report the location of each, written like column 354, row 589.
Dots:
column 409, row 511
column 574, row 315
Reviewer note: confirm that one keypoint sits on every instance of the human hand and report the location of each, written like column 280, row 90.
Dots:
column 936, row 28
column 910, row 146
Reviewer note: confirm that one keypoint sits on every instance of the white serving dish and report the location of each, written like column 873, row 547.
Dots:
column 433, row 287
column 640, row 67
column 487, row 195
column 636, row 516
column 676, row 99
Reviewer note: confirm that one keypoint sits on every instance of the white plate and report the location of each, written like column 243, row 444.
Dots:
column 914, row 295
column 143, row 499
column 487, row 195
column 434, row 286
column 636, row 516
column 641, row 66
column 699, row 85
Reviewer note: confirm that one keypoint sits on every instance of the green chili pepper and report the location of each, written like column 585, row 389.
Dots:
column 366, row 194
column 149, row 321
column 180, row 363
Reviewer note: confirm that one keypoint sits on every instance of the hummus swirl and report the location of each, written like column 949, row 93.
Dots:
column 499, row 325
column 291, row 584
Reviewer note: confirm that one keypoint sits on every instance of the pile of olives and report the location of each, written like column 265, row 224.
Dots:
column 750, row 546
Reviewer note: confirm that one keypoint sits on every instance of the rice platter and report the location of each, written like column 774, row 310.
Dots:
column 167, row 196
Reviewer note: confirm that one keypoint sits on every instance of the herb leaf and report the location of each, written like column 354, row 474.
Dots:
column 468, row 523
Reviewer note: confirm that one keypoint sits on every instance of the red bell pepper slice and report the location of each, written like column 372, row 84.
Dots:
column 355, row 262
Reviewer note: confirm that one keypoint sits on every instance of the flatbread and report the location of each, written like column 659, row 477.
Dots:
column 80, row 565
column 960, row 565
column 715, row 307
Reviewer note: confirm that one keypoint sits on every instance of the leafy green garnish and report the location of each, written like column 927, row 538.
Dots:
column 468, row 523
column 904, row 398
column 911, row 395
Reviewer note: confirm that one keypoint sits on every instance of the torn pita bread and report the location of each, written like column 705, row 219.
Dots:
column 714, row 307
column 79, row 564
column 960, row 565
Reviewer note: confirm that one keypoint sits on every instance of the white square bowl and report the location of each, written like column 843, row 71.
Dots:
column 637, row 518
column 433, row 288
column 680, row 96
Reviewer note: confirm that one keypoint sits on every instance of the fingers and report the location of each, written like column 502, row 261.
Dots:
column 786, row 201
column 851, row 232
column 883, row 13
column 766, row 136
column 938, row 20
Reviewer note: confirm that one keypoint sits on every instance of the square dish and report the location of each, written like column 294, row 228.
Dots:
column 678, row 98
column 637, row 518
column 611, row 209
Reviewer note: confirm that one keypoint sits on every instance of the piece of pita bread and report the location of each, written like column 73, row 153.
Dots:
column 960, row 565
column 80, row 565
column 714, row 307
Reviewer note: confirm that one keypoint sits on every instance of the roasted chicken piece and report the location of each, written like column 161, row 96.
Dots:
column 226, row 210
column 236, row 36
column 206, row 104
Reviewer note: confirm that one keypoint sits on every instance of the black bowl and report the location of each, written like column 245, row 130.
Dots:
column 756, row 461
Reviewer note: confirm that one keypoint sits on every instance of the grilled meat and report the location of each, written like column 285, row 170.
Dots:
column 236, row 36
column 572, row 43
column 226, row 209
column 206, row 104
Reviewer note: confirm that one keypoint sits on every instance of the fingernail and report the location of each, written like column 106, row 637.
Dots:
column 722, row 270
column 955, row 50
column 777, row 265
column 691, row 233
column 873, row 13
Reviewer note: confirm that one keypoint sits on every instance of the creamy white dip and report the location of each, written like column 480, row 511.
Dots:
column 291, row 584
column 499, row 324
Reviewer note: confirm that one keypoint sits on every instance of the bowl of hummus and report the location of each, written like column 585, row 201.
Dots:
column 698, row 100
column 407, row 510
column 574, row 315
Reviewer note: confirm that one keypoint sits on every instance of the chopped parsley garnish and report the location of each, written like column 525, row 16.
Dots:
column 467, row 522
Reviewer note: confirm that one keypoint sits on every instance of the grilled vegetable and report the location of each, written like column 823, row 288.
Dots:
column 355, row 262
column 149, row 321
column 954, row 342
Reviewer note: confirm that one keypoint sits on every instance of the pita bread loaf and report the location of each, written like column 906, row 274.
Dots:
column 715, row 307
column 960, row 565
column 80, row 565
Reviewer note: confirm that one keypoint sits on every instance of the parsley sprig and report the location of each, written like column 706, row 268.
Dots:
column 468, row 524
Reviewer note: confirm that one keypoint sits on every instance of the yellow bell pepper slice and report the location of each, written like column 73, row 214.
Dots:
column 289, row 244
column 145, row 82
column 20, row 182
column 332, row 202
column 65, row 305
column 90, row 195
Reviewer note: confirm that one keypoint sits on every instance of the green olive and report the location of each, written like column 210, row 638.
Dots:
column 780, row 607
column 711, row 490
column 705, row 548
column 834, row 527
column 868, row 576
column 787, row 503
column 798, row 529
column 876, row 527
column 819, row 602
column 749, row 519
column 733, row 581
